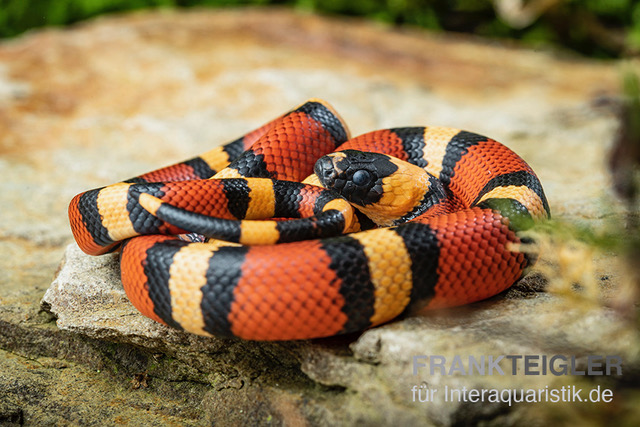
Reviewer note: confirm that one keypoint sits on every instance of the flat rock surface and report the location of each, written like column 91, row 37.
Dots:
column 118, row 96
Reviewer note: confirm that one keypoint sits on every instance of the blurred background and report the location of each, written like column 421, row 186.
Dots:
column 591, row 28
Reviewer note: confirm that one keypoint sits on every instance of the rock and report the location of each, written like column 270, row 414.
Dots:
column 376, row 369
column 112, row 98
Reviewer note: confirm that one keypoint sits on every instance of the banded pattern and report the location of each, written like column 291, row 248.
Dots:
column 456, row 246
column 98, row 229
column 332, row 216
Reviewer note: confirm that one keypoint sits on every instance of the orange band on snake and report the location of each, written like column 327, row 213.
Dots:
column 234, row 243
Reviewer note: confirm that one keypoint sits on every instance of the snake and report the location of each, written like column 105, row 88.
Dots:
column 296, row 230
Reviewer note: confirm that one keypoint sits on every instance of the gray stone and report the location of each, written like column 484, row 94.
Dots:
column 377, row 373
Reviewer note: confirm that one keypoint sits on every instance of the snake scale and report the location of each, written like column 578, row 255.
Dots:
column 247, row 241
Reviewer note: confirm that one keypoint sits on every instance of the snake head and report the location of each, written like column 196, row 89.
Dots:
column 358, row 176
column 382, row 187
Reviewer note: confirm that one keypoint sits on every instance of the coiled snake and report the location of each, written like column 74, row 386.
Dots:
column 437, row 222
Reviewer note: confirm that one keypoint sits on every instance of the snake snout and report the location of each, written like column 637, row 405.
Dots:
column 325, row 170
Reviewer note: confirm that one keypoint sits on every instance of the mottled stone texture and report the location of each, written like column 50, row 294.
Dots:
column 118, row 96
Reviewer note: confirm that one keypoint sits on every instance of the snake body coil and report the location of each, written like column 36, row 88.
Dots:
column 284, row 280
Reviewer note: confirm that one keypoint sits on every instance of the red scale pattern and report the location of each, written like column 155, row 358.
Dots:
column 307, row 304
column 177, row 172
column 483, row 162
column 81, row 233
column 381, row 141
column 307, row 200
column 132, row 270
column 475, row 262
column 203, row 196
column 292, row 148
column 249, row 139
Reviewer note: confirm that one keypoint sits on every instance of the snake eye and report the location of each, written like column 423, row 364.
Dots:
column 361, row 177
